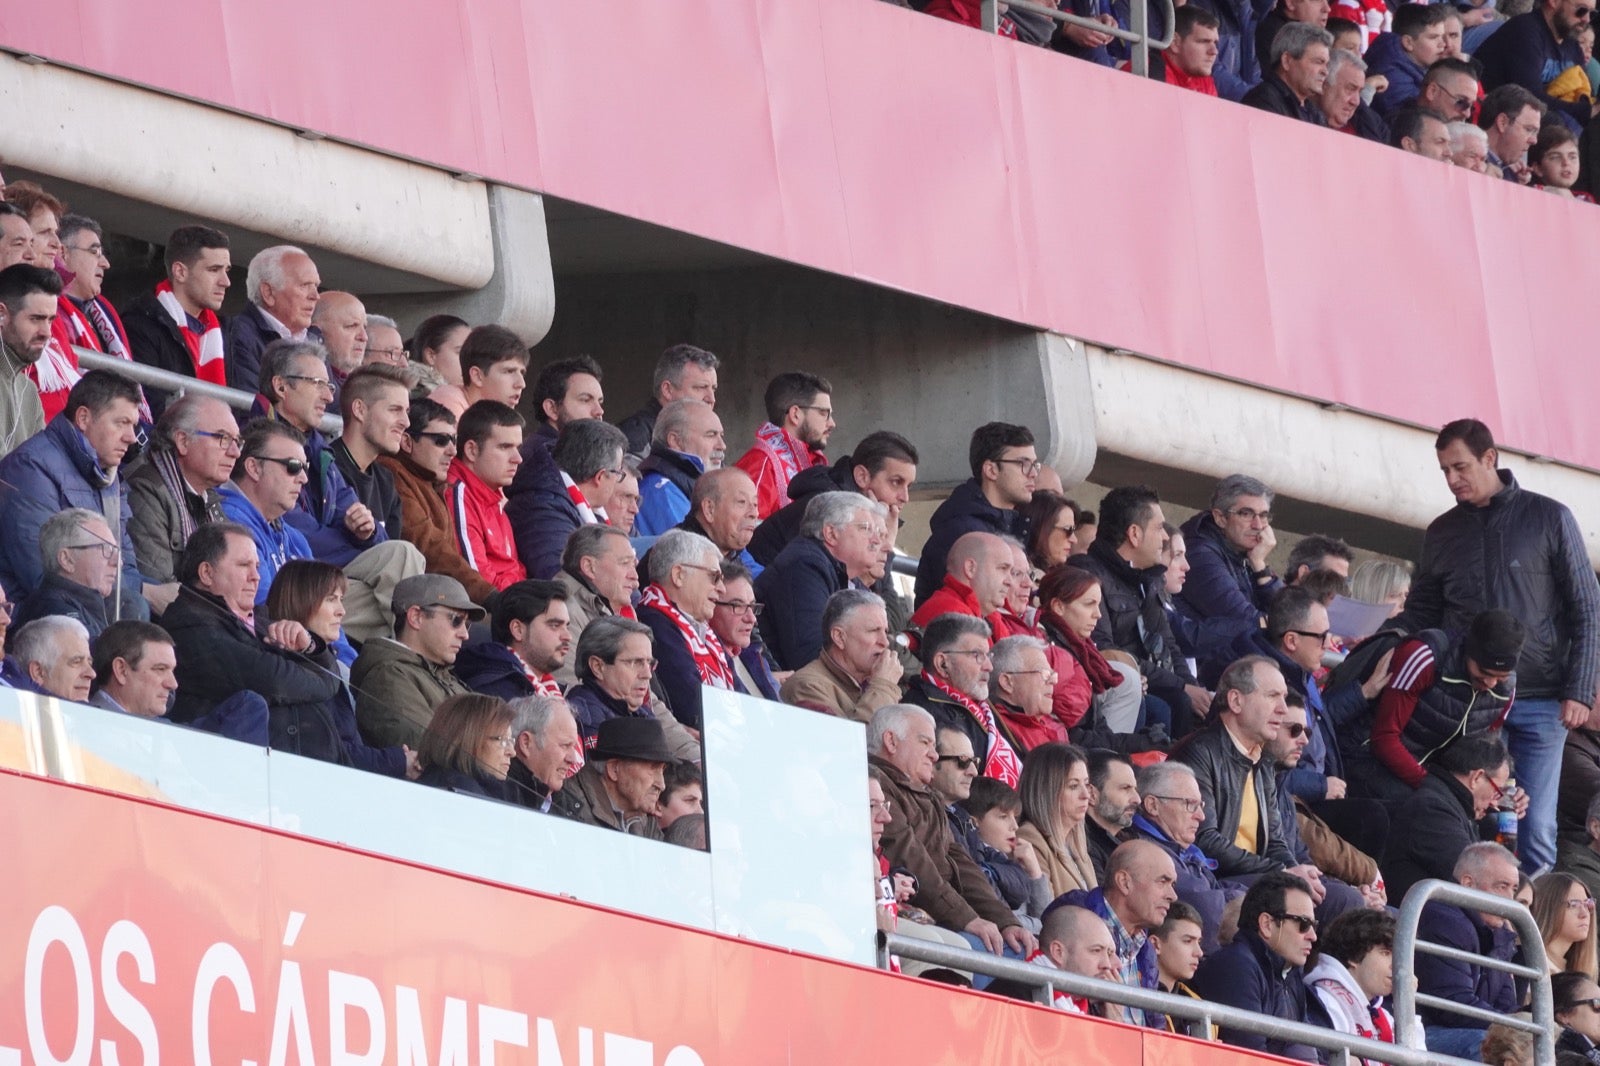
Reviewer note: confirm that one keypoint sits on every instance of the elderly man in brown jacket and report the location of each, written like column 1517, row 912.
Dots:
column 419, row 474
column 858, row 670
column 950, row 885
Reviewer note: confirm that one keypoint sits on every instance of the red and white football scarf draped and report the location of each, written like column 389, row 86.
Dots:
column 1063, row 1000
column 779, row 446
column 589, row 515
column 91, row 327
column 205, row 349
column 55, row 373
column 543, row 684
column 710, row 657
column 887, row 904
column 1003, row 763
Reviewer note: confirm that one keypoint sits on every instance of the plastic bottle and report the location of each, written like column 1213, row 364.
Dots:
column 1506, row 818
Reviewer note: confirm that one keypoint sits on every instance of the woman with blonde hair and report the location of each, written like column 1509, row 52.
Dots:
column 1055, row 802
column 467, row 747
column 1564, row 911
column 1382, row 581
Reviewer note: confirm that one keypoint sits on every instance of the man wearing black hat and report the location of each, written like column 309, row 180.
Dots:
column 1441, row 690
column 618, row 787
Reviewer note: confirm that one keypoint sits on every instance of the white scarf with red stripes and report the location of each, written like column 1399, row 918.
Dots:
column 1002, row 763
column 590, row 515
column 710, row 657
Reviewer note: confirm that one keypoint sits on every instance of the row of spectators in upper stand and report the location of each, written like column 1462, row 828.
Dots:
column 1069, row 730
column 1494, row 88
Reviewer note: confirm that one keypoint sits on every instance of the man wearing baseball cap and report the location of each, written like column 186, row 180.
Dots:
column 400, row 680
column 617, row 788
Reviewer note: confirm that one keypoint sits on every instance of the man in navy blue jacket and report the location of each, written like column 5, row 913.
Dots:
column 1531, row 50
column 1005, row 471
column 1488, row 868
column 1261, row 969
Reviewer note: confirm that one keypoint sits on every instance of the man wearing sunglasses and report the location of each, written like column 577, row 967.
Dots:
column 1450, row 88
column 399, row 681
column 420, row 470
column 267, row 480
column 1261, row 969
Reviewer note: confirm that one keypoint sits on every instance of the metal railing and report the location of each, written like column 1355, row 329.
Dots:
column 1137, row 35
column 1046, row 982
column 1406, row 947
column 167, row 381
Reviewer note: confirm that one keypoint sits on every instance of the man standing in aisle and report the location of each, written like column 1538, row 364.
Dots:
column 1503, row 547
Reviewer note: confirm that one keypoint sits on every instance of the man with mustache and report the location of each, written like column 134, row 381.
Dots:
column 530, row 641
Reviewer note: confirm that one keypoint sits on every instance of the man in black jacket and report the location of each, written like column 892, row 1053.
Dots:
column 1242, row 833
column 1296, row 71
column 1125, row 557
column 1005, row 471
column 375, row 406
column 549, row 751
column 176, row 327
column 1504, row 547
column 1464, row 781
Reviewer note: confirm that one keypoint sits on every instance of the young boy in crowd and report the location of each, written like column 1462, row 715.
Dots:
column 1178, row 955
column 684, row 794
column 1010, row 863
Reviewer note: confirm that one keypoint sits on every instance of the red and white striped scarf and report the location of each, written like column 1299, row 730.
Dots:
column 710, row 657
column 1002, row 763
column 590, row 515
column 205, row 349
column 543, row 684
column 790, row 454
column 95, row 326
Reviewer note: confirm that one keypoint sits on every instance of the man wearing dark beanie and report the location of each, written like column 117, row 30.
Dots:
column 1441, row 689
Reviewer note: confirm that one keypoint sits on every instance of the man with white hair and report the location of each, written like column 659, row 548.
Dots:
column 840, row 541
column 1341, row 103
column 685, row 583
column 80, row 570
column 857, row 671
column 1469, row 147
column 1488, row 868
column 191, row 456
column 385, row 346
column 281, row 284
column 51, row 655
column 548, row 752
column 687, row 442
column 950, row 885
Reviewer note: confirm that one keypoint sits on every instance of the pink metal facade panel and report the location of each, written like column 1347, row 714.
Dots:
column 858, row 138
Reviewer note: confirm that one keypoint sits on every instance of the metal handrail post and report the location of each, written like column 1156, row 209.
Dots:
column 989, row 16
column 989, row 20
column 1219, row 1014
column 1406, row 947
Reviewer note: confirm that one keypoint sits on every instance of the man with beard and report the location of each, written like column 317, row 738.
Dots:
column 529, row 642
column 799, row 423
column 1531, row 50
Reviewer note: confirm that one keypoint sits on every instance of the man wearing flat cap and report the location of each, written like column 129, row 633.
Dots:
column 400, row 680
column 618, row 787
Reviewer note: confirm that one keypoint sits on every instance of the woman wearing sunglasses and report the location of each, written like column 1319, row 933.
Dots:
column 1564, row 911
column 1577, row 1010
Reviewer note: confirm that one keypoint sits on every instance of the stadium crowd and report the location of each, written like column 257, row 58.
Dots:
column 1106, row 744
column 1503, row 88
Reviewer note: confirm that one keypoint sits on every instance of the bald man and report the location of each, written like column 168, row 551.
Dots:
column 342, row 318
column 977, row 580
column 1140, row 884
column 1073, row 940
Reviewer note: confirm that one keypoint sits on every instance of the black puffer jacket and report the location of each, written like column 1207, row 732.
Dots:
column 1132, row 617
column 966, row 511
column 218, row 656
column 1522, row 553
column 783, row 525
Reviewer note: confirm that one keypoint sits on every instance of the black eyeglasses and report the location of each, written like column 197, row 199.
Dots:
column 1190, row 806
column 741, row 606
column 1582, row 12
column 229, row 441
column 1320, row 638
column 295, row 467
column 1592, row 1004
column 1306, row 924
column 1029, row 467
column 963, row 762
column 438, row 440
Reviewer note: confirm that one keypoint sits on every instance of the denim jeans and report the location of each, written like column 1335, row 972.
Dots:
column 1535, row 735
column 1462, row 1043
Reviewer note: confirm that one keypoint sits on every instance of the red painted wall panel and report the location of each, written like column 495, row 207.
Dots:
column 865, row 140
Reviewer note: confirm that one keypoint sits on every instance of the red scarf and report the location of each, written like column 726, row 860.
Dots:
column 587, row 514
column 710, row 657
column 96, row 326
column 1100, row 673
column 789, row 454
column 205, row 349
column 1002, row 764
column 543, row 684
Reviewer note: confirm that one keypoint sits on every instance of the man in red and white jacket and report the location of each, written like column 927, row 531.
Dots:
column 799, row 422
column 489, row 438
